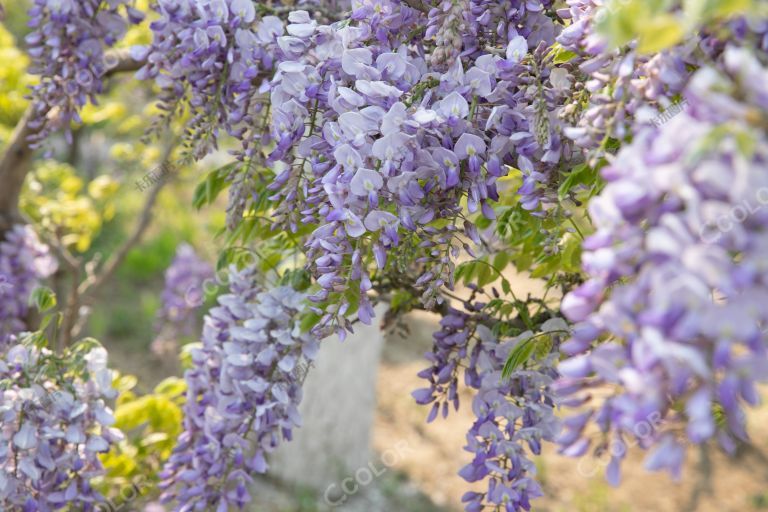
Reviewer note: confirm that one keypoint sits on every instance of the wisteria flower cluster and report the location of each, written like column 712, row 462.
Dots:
column 243, row 394
column 24, row 263
column 677, row 289
column 55, row 423
column 383, row 169
column 67, row 44
column 514, row 413
column 395, row 147
column 214, row 55
column 184, row 292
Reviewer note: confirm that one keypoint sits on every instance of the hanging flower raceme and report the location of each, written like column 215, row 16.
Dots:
column 213, row 56
column 243, row 394
column 534, row 118
column 462, row 28
column 677, row 276
column 513, row 412
column 184, row 291
column 67, row 46
column 55, row 423
column 24, row 262
column 514, row 416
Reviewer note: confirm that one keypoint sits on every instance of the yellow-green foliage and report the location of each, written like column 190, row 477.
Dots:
column 151, row 423
column 139, row 34
column 61, row 203
column 14, row 83
column 660, row 24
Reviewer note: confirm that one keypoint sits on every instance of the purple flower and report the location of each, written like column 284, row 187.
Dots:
column 55, row 425
column 367, row 183
column 680, row 300
column 243, row 394
column 24, row 262
column 517, row 49
column 67, row 45
column 184, row 293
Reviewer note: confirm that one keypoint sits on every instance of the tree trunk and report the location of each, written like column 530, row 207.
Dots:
column 337, row 411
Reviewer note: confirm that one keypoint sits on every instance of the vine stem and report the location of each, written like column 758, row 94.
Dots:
column 576, row 227
column 418, row 5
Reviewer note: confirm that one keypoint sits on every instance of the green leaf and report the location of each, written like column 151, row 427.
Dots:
column 519, row 355
column 186, row 354
column 571, row 255
column 501, row 260
column 43, row 298
column 746, row 143
column 522, row 311
column 132, row 414
column 506, row 287
column 216, row 181
column 659, row 34
column 701, row 11
column 483, row 223
column 400, row 299
column 308, row 321
column 45, row 322
column 353, row 297
column 618, row 21
column 562, row 55
column 466, row 271
column 485, row 274
column 153, row 438
column 546, row 269
column 124, row 383
column 719, row 415
column 580, row 175
column 298, row 279
column 222, row 261
column 543, row 346
column 122, row 464
column 171, row 387
column 270, row 261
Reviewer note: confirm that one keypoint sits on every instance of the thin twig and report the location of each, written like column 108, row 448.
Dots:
column 83, row 292
column 71, row 305
column 97, row 279
column 704, row 483
column 418, row 5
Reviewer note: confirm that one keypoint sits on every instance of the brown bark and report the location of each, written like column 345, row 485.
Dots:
column 13, row 169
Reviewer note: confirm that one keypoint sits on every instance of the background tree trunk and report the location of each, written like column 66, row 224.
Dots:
column 337, row 411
